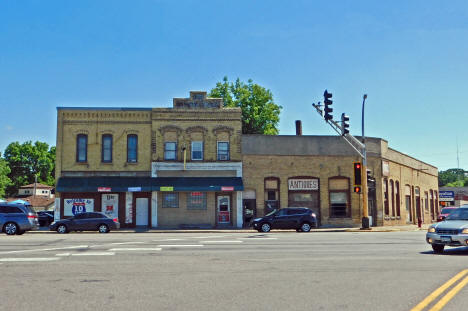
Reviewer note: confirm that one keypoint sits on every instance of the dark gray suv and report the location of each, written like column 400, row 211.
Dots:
column 17, row 218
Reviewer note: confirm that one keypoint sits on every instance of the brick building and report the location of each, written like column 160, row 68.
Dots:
column 187, row 166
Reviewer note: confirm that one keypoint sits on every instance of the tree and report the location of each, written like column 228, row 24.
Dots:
column 28, row 160
column 260, row 115
column 4, row 180
column 451, row 176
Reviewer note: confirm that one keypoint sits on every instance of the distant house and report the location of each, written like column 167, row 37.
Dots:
column 39, row 203
column 36, row 189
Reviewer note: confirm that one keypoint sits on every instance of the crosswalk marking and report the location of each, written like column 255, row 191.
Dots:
column 94, row 254
column 123, row 243
column 44, row 249
column 29, row 259
column 180, row 245
column 221, row 241
column 135, row 249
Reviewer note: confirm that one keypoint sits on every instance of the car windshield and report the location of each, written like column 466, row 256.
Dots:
column 447, row 210
column 458, row 214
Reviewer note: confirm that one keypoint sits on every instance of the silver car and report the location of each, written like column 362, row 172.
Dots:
column 17, row 218
column 453, row 231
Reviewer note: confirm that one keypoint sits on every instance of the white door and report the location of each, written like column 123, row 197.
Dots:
column 142, row 211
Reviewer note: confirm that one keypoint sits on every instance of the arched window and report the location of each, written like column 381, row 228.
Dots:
column 82, row 148
column 338, row 191
column 397, row 198
column 392, row 193
column 106, row 154
column 386, row 207
column 132, row 148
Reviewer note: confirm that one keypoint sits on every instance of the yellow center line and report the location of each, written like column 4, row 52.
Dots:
column 439, row 291
column 438, row 306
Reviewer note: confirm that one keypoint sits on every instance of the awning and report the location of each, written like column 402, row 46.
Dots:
column 146, row 184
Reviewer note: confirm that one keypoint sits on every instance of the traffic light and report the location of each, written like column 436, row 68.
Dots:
column 357, row 174
column 328, row 110
column 357, row 189
column 344, row 124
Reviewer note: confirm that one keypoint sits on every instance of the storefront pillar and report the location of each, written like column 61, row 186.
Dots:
column 57, row 209
column 154, row 209
column 239, row 206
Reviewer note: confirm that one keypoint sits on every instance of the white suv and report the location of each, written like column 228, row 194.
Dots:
column 453, row 231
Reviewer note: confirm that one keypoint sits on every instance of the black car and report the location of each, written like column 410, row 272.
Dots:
column 45, row 218
column 299, row 218
column 90, row 221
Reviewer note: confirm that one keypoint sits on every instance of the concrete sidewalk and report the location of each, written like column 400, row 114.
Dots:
column 248, row 230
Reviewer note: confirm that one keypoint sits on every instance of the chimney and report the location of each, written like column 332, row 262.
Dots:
column 298, row 127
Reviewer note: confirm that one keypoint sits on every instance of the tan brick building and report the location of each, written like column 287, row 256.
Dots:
column 160, row 167
column 190, row 166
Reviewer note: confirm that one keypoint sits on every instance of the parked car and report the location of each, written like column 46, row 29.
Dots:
column 299, row 218
column 452, row 231
column 90, row 221
column 445, row 212
column 45, row 218
column 17, row 218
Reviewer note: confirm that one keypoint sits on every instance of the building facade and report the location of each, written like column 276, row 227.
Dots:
column 160, row 167
column 190, row 166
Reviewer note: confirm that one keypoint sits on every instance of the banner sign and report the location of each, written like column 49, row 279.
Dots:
column 71, row 207
column 166, row 188
column 303, row 184
column 104, row 189
column 227, row 188
column 134, row 189
column 110, row 205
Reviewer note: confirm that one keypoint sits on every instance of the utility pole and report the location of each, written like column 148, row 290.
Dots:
column 358, row 146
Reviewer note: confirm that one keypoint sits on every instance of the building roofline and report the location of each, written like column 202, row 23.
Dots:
column 105, row 108
column 413, row 158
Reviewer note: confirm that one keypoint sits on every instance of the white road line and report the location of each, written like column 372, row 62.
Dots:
column 135, row 249
column 167, row 240
column 221, row 242
column 181, row 245
column 207, row 237
column 62, row 254
column 44, row 249
column 29, row 259
column 123, row 243
column 258, row 239
column 94, row 254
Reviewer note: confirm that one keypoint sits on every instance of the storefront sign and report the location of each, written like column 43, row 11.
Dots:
column 134, row 189
column 166, row 188
column 227, row 188
column 104, row 189
column 110, row 205
column 71, row 207
column 303, row 184
column 446, row 196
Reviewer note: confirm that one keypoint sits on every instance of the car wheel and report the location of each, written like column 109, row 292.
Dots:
column 438, row 248
column 305, row 227
column 103, row 228
column 10, row 228
column 62, row 229
column 20, row 232
column 265, row 227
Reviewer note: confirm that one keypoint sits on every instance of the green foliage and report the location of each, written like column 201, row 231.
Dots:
column 28, row 160
column 4, row 180
column 453, row 177
column 260, row 115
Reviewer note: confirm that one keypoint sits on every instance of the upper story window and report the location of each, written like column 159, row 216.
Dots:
column 223, row 151
column 132, row 148
column 106, row 148
column 197, row 150
column 82, row 148
column 170, row 150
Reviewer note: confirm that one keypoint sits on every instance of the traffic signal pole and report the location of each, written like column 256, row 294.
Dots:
column 357, row 145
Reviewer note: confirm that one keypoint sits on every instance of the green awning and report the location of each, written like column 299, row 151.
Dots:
column 147, row 184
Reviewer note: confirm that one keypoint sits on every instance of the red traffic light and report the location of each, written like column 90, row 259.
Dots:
column 357, row 189
column 358, row 165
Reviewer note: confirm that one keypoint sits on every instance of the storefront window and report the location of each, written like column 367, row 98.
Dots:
column 386, row 205
column 339, row 197
column 170, row 200
column 397, row 198
column 271, row 194
column 196, row 200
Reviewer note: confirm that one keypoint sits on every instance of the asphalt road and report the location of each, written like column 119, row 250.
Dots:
column 228, row 271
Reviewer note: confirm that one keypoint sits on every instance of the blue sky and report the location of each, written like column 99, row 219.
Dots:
column 410, row 57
